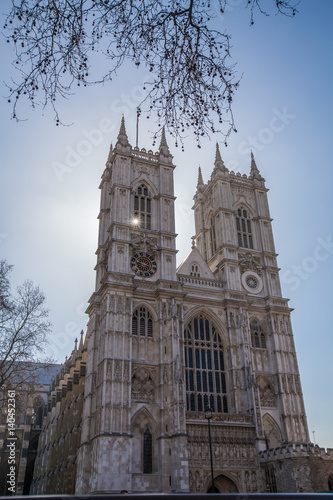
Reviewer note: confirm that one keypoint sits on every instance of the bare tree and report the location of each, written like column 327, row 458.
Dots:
column 24, row 326
column 193, row 78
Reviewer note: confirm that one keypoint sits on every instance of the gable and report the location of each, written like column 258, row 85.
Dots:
column 195, row 265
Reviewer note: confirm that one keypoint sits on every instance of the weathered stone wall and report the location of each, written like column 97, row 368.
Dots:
column 234, row 456
column 55, row 468
column 298, row 468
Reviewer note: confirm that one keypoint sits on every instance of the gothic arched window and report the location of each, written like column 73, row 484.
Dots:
column 244, row 230
column 142, row 206
column 142, row 323
column 205, row 371
column 147, row 452
column 258, row 337
column 212, row 235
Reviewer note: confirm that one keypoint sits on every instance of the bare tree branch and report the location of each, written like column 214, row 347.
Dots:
column 193, row 77
column 24, row 327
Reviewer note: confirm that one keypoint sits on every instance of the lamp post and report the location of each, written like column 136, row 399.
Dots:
column 208, row 415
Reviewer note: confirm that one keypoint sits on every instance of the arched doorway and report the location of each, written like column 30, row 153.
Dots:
column 223, row 484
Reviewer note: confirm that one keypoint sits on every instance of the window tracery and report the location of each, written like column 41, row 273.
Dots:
column 205, row 370
column 244, row 229
column 142, row 323
column 258, row 337
column 143, row 206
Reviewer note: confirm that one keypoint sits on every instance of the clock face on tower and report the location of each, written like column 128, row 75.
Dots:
column 143, row 265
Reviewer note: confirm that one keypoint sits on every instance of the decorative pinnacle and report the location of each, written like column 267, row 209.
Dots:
column 254, row 169
column 164, row 148
column 81, row 341
column 200, row 179
column 122, row 136
column 110, row 154
column 193, row 241
column 218, row 159
column 217, row 153
column 163, row 139
column 122, row 130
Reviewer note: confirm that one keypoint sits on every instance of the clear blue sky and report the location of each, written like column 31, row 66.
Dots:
column 48, row 226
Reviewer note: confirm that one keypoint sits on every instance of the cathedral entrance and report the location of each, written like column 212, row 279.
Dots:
column 223, row 484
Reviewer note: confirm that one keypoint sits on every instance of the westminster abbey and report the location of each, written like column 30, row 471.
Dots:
column 163, row 344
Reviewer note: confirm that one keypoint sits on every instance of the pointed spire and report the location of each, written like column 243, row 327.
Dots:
column 163, row 139
column 81, row 342
column 200, row 179
column 218, row 159
column 217, row 153
column 164, row 148
column 110, row 154
column 122, row 136
column 255, row 174
column 122, row 130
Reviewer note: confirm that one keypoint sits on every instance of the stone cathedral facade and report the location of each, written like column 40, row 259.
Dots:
column 164, row 343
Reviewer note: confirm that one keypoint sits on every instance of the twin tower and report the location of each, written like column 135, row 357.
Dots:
column 164, row 343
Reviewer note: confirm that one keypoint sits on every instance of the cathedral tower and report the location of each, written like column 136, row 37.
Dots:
column 234, row 236
column 164, row 344
column 133, row 432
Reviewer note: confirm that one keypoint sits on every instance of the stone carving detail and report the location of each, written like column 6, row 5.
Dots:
column 117, row 370
column 143, row 386
column 250, row 263
column 109, row 370
column 142, row 243
column 267, row 394
column 298, row 386
column 119, row 304
column 165, row 374
column 146, row 285
column 128, row 305
column 291, row 385
column 272, row 432
column 126, row 370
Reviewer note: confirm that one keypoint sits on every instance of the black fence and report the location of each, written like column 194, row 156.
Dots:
column 183, row 496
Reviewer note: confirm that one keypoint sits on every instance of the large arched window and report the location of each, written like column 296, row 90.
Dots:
column 142, row 207
column 244, row 230
column 258, row 337
column 142, row 323
column 205, row 371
